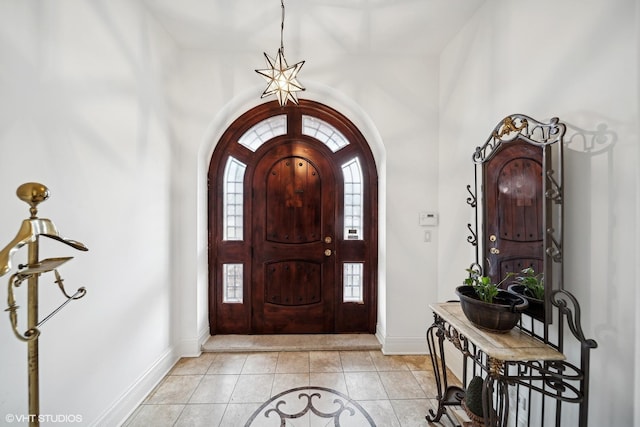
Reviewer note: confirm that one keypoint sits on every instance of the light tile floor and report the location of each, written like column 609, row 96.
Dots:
column 225, row 389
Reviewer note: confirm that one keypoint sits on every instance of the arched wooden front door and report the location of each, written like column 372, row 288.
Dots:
column 293, row 280
column 292, row 224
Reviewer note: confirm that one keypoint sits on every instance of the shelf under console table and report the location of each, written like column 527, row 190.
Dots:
column 538, row 369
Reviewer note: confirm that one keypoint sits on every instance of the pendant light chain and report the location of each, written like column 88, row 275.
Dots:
column 282, row 27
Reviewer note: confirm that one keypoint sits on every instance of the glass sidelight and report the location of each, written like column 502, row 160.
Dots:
column 232, row 279
column 353, row 198
column 352, row 282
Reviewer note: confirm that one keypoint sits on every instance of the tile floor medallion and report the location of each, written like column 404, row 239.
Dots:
column 310, row 406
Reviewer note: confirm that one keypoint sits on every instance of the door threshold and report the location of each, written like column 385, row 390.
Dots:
column 295, row 342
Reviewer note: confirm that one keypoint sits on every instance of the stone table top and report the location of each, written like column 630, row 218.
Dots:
column 513, row 346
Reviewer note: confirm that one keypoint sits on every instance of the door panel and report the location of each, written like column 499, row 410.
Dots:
column 293, row 281
column 293, row 202
column 514, row 228
column 283, row 279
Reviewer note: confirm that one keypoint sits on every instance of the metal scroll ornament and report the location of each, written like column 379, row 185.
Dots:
column 548, row 139
column 536, row 133
column 531, row 130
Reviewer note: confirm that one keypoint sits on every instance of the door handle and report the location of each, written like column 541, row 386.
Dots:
column 493, row 251
column 327, row 252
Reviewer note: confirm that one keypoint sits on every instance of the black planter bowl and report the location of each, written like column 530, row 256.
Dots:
column 499, row 316
column 536, row 306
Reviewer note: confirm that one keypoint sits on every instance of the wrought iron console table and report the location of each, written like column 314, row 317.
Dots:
column 538, row 369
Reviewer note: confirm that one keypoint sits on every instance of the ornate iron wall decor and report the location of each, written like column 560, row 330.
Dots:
column 549, row 137
column 531, row 363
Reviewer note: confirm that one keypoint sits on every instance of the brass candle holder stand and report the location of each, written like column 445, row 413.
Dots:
column 34, row 193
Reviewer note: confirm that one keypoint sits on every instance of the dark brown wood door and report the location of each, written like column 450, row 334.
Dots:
column 293, row 273
column 514, row 226
column 293, row 238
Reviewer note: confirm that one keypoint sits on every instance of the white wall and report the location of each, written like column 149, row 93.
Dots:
column 400, row 121
column 81, row 111
column 577, row 60
column 101, row 106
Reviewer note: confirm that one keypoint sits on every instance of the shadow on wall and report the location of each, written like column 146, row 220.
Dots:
column 589, row 217
column 593, row 246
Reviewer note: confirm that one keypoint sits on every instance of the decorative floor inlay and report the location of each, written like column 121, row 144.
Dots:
column 227, row 389
column 310, row 406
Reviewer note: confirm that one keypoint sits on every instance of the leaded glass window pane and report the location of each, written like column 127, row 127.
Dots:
column 353, row 200
column 264, row 131
column 232, row 283
column 352, row 282
column 233, row 199
column 324, row 132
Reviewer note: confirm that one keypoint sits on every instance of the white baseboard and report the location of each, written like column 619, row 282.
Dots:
column 118, row 412
column 380, row 333
column 401, row 345
column 193, row 347
column 203, row 336
column 189, row 348
column 404, row 345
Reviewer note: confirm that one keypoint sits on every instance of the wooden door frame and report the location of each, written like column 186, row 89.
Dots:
column 227, row 146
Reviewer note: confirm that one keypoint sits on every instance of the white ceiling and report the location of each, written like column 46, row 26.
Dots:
column 355, row 26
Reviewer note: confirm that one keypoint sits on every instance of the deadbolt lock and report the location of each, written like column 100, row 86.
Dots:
column 327, row 239
column 493, row 238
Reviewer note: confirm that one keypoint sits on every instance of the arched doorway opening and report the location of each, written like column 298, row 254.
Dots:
column 292, row 220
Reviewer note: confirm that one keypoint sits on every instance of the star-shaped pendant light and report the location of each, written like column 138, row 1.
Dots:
column 282, row 78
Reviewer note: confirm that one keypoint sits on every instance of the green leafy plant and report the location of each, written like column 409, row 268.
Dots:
column 533, row 282
column 482, row 285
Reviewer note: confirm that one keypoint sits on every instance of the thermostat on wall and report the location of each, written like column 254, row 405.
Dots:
column 428, row 218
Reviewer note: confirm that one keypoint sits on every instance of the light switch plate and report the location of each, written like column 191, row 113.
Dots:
column 426, row 218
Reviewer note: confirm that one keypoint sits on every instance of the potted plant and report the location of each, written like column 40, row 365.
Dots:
column 531, row 286
column 487, row 306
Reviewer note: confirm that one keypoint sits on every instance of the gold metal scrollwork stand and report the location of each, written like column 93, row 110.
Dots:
column 29, row 234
